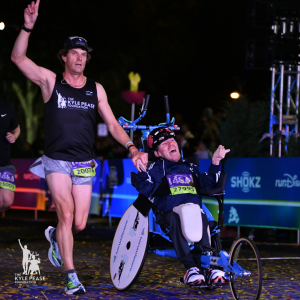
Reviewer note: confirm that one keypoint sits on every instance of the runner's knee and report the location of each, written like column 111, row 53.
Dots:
column 79, row 227
column 66, row 219
column 6, row 200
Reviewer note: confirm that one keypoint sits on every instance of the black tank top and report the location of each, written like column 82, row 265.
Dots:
column 70, row 121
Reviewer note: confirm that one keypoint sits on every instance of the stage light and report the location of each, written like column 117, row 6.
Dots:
column 2, row 25
column 235, row 95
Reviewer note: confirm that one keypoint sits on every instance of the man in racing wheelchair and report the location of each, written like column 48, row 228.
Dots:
column 183, row 179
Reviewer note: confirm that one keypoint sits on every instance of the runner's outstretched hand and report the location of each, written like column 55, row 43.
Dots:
column 31, row 13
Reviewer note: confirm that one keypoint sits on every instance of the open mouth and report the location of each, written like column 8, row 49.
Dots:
column 173, row 150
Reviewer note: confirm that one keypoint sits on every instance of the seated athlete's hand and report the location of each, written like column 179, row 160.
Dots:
column 219, row 155
column 140, row 160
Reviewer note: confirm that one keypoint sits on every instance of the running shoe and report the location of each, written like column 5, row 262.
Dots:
column 53, row 253
column 193, row 277
column 74, row 287
column 218, row 277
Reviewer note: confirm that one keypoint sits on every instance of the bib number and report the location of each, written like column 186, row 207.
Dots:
column 84, row 169
column 181, row 184
column 7, row 181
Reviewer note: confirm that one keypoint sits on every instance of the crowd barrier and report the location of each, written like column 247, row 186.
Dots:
column 260, row 192
column 30, row 193
column 117, row 191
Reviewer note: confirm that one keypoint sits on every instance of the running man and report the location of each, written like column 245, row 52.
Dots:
column 71, row 101
column 9, row 132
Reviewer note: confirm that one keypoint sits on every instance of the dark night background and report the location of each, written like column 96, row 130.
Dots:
column 193, row 51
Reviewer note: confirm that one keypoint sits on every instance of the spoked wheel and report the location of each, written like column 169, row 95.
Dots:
column 244, row 252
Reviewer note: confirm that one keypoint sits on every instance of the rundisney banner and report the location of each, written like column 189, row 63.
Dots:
column 263, row 192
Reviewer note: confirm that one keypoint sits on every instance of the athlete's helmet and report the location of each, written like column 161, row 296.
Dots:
column 158, row 135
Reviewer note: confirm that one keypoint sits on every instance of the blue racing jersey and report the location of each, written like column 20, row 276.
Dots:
column 180, row 179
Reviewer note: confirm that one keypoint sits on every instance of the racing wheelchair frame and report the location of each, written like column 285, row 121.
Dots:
column 137, row 229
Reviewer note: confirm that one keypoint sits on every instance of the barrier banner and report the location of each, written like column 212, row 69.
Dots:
column 30, row 189
column 117, row 191
column 96, row 190
column 210, row 203
column 263, row 192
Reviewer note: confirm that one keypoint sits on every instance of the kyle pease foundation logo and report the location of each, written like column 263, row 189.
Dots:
column 31, row 270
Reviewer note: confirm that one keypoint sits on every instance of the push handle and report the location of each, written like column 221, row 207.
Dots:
column 146, row 102
column 167, row 110
column 167, row 104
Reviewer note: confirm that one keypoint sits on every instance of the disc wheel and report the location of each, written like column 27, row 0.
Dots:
column 129, row 249
column 244, row 252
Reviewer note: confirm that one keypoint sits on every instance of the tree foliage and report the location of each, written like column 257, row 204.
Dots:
column 245, row 124
column 32, row 111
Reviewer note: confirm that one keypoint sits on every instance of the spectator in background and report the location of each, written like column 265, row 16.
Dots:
column 108, row 150
column 38, row 145
column 180, row 136
column 9, row 132
column 186, row 130
column 211, row 130
column 202, row 150
column 119, row 152
column 187, row 146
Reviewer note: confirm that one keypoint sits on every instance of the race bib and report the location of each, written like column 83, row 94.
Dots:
column 7, row 181
column 84, row 169
column 181, row 184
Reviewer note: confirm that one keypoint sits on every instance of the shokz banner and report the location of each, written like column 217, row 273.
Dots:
column 263, row 192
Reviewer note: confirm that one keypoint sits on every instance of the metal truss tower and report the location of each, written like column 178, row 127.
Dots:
column 284, row 108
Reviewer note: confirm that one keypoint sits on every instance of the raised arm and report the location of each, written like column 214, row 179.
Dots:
column 117, row 131
column 20, row 244
column 208, row 180
column 40, row 76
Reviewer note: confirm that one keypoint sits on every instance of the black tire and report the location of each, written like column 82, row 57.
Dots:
column 245, row 253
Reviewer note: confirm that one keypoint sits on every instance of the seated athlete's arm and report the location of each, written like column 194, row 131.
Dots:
column 208, row 180
column 40, row 76
column 148, row 182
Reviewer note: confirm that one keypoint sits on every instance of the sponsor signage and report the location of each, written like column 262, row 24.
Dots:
column 263, row 192
column 117, row 191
